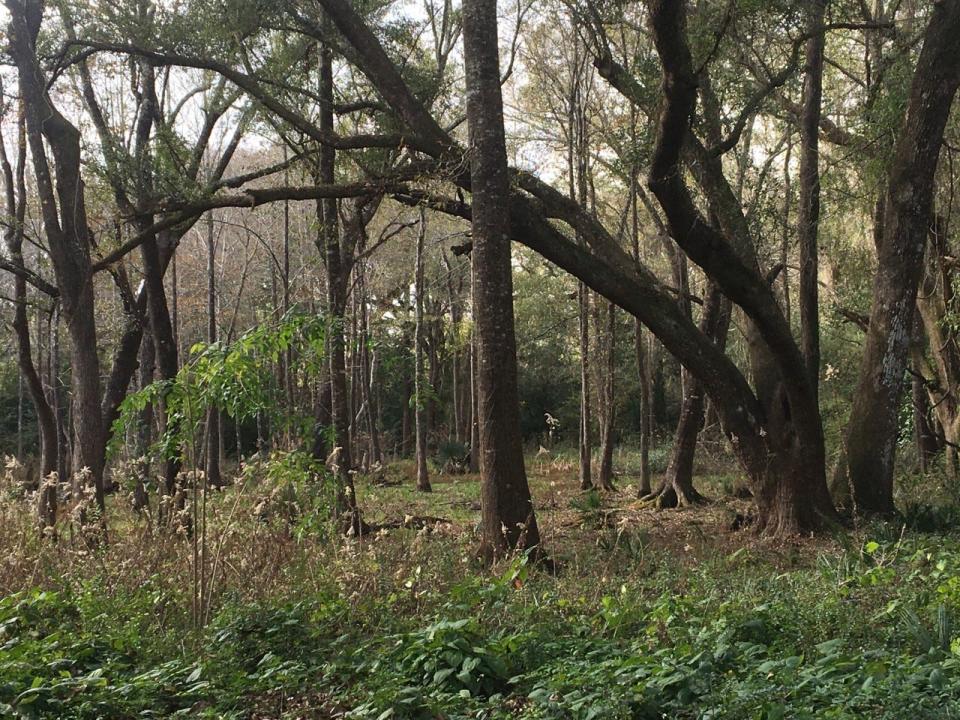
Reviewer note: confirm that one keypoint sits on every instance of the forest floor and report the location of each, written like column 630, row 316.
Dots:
column 650, row 614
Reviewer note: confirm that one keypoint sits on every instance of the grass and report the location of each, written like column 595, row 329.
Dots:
column 650, row 615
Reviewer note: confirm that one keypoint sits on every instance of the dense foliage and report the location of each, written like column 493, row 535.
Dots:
column 659, row 637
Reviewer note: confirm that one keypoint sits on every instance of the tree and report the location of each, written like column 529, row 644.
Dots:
column 63, row 211
column 872, row 430
column 329, row 244
column 507, row 516
column 420, row 379
column 15, row 193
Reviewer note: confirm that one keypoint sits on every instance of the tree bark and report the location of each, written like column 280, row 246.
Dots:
column 147, row 362
column 420, row 415
column 605, row 394
column 214, row 477
column 872, row 429
column 16, row 204
column 808, row 220
column 474, row 372
column 677, row 489
column 585, row 444
column 507, row 516
column 64, row 219
column 347, row 509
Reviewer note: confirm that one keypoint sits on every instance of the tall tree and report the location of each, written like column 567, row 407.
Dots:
column 419, row 375
column 63, row 212
column 328, row 242
column 507, row 515
column 213, row 475
column 872, row 428
column 808, row 220
column 15, row 194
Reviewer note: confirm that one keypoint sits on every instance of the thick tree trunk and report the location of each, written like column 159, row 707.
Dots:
column 791, row 419
column 65, row 224
column 507, row 515
column 872, row 429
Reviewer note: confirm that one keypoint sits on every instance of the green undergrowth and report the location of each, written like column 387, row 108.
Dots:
column 867, row 632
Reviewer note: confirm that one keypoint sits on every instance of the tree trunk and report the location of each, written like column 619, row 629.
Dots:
column 872, row 429
column 423, row 479
column 65, row 224
column 16, row 203
column 677, row 489
column 507, row 515
column 608, row 414
column 147, row 362
column 368, row 363
column 646, row 430
column 474, row 384
column 214, row 477
column 792, row 430
column 585, row 445
column 925, row 438
column 347, row 509
column 643, row 365
column 809, row 215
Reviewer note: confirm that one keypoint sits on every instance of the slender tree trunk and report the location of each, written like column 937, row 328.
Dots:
column 608, row 416
column 147, row 362
column 20, row 415
column 787, row 234
column 214, row 477
column 643, row 370
column 405, row 413
column 924, row 436
column 175, row 306
column 474, row 386
column 16, row 203
column 585, row 445
column 809, row 215
column 678, row 489
column 423, row 479
column 288, row 356
column 507, row 515
column 645, row 410
column 347, row 509
column 368, row 371
column 60, row 407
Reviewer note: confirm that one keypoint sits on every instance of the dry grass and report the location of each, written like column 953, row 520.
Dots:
column 598, row 539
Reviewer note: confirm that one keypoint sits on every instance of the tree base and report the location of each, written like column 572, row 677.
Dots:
column 672, row 496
